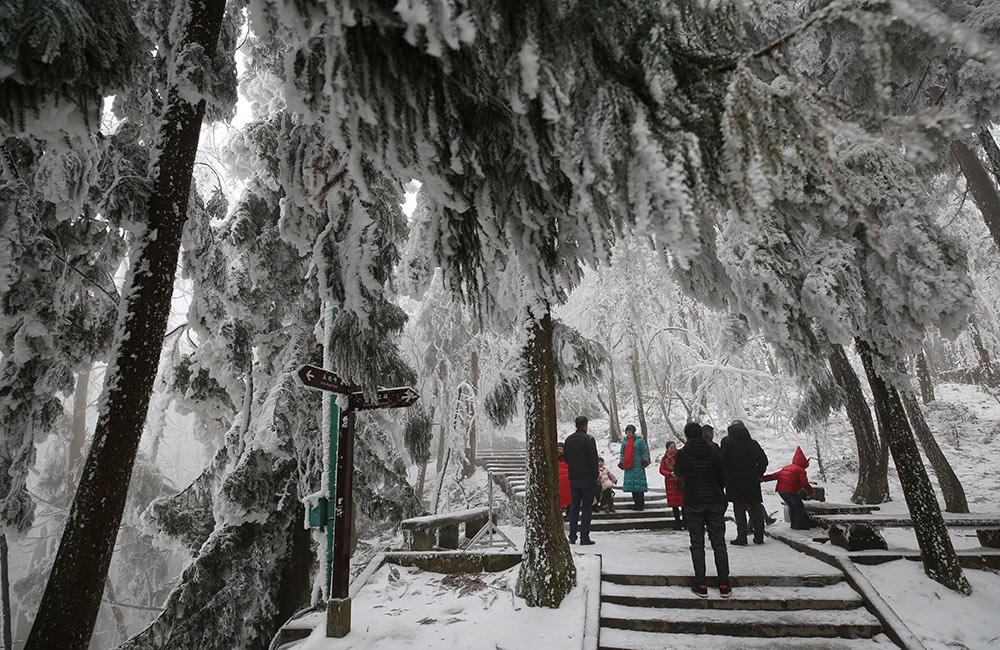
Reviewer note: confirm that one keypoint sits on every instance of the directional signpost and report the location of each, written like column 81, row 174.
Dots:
column 338, row 610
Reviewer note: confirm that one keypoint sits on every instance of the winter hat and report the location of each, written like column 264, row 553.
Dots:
column 799, row 458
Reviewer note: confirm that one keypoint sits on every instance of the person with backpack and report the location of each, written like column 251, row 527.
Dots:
column 744, row 462
column 634, row 457
column 791, row 479
column 700, row 465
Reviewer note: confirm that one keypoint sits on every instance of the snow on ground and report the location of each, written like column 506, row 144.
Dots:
column 943, row 619
column 405, row 607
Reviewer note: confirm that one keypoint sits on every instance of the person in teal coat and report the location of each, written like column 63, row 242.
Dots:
column 634, row 458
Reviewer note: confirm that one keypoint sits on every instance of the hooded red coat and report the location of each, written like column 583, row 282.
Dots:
column 675, row 496
column 565, row 496
column 792, row 478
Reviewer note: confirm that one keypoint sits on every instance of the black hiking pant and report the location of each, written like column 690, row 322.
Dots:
column 712, row 518
column 756, row 520
column 639, row 499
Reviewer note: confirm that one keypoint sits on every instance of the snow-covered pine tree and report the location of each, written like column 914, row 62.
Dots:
column 299, row 239
column 72, row 596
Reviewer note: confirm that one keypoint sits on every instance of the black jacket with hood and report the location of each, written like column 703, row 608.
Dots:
column 700, row 465
column 744, row 462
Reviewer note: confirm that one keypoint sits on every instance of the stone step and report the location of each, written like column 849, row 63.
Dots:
column 650, row 498
column 648, row 513
column 815, row 580
column 649, row 523
column 836, row 596
column 850, row 623
column 613, row 639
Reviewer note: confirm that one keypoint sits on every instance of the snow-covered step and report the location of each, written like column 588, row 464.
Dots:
column 647, row 523
column 627, row 497
column 613, row 639
column 850, row 623
column 836, row 596
column 628, row 513
column 820, row 578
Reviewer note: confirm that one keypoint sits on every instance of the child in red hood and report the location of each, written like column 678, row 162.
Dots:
column 791, row 479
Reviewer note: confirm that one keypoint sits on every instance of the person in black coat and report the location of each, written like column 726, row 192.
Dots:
column 700, row 465
column 580, row 453
column 744, row 462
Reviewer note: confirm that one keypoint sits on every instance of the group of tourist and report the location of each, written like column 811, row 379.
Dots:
column 701, row 479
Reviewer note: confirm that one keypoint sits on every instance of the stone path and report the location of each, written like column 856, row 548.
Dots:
column 781, row 599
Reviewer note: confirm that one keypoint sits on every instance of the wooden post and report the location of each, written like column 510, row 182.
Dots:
column 338, row 609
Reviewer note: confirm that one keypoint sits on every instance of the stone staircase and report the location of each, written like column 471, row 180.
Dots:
column 508, row 469
column 655, row 516
column 819, row 612
column 509, row 474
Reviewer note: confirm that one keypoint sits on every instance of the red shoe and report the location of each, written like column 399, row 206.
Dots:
column 725, row 590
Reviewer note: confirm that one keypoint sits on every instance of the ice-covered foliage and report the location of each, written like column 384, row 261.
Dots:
column 58, row 59
column 60, row 244
column 298, row 239
column 528, row 145
column 805, row 273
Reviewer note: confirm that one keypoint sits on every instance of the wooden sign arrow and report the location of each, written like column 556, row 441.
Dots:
column 323, row 379
column 385, row 398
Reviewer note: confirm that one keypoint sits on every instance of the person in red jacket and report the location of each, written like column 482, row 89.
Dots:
column 791, row 479
column 675, row 494
column 565, row 495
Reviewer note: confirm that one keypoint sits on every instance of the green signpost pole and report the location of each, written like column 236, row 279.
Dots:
column 333, row 430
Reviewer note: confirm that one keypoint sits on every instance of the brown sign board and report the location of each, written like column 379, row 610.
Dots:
column 385, row 398
column 323, row 379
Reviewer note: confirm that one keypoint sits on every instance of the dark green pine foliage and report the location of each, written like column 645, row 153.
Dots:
column 260, row 276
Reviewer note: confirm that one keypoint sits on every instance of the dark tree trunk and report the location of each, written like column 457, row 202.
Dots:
column 981, row 187
column 992, row 152
column 951, row 487
column 637, row 380
column 986, row 373
column 936, row 550
column 873, row 485
column 80, row 401
column 295, row 589
column 547, row 571
column 616, row 425
column 5, row 588
column 72, row 597
column 924, row 380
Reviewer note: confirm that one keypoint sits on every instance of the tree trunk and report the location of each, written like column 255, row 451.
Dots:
column 987, row 375
column 421, row 481
column 474, row 371
column 637, row 380
column 992, row 151
column 80, row 400
column 616, row 425
column 951, row 487
column 72, row 597
column 5, row 588
column 294, row 591
column 924, row 380
column 547, row 571
column 936, row 550
column 117, row 614
column 873, row 484
column 983, row 192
